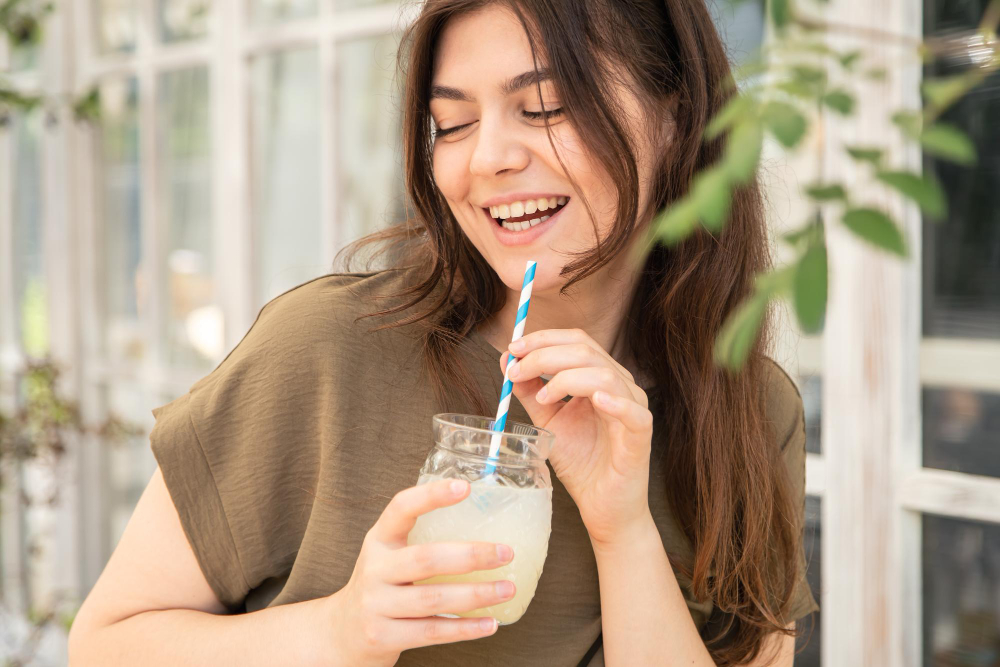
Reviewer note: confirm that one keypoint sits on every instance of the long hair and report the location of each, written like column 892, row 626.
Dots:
column 726, row 484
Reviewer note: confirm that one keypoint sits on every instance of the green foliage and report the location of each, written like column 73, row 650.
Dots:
column 923, row 190
column 785, row 122
column 798, row 76
column 810, row 287
column 948, row 143
column 876, row 228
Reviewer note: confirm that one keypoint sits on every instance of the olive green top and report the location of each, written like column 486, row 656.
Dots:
column 282, row 458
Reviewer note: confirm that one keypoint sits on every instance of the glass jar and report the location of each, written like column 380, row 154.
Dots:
column 512, row 505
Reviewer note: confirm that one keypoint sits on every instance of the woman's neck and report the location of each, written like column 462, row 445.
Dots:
column 597, row 305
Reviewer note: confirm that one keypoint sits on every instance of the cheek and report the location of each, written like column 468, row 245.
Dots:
column 450, row 173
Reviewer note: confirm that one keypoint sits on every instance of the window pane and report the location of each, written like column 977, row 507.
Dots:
column 811, row 388
column 741, row 26
column 962, row 431
column 369, row 170
column 114, row 25
column 194, row 336
column 962, row 253
column 178, row 20
column 813, row 542
column 120, row 285
column 275, row 11
column 355, row 4
column 961, row 583
column 286, row 171
column 129, row 464
column 30, row 302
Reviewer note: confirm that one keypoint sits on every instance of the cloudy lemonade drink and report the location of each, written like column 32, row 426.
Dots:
column 509, row 502
column 518, row 517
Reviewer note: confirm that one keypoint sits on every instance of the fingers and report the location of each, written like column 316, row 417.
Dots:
column 401, row 513
column 407, row 634
column 554, row 337
column 422, row 561
column 429, row 599
column 634, row 417
column 551, row 360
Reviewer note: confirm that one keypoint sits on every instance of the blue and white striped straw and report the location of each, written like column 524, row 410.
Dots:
column 501, row 420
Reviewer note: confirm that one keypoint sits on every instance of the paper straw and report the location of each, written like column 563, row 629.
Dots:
column 508, row 386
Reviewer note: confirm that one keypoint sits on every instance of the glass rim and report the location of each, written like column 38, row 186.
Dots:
column 540, row 433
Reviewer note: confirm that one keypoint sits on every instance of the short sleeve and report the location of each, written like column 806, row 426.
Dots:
column 240, row 452
column 786, row 410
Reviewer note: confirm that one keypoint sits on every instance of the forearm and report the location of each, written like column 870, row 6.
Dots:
column 645, row 619
column 187, row 637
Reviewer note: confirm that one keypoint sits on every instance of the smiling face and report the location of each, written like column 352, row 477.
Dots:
column 493, row 160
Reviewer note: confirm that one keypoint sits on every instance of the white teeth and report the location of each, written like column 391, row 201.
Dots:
column 516, row 209
column 495, row 211
column 530, row 206
column 543, row 204
column 504, row 211
column 552, row 202
column 561, row 201
column 535, row 221
column 544, row 218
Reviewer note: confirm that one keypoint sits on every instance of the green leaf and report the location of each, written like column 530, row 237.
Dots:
column 743, row 151
column 797, row 236
column 848, row 60
column 909, row 122
column 927, row 194
column 712, row 196
column 865, row 154
column 944, row 91
column 807, row 75
column 797, row 89
column 810, row 289
column 876, row 228
column 877, row 74
column 823, row 193
column 739, row 333
column 780, row 12
column 785, row 122
column 735, row 108
column 840, row 101
column 948, row 143
column 677, row 222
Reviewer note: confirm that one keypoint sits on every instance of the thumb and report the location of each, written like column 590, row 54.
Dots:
column 525, row 391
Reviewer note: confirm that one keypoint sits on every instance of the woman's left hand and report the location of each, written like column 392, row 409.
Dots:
column 603, row 434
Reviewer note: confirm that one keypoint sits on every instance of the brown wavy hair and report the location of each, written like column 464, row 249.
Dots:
column 727, row 485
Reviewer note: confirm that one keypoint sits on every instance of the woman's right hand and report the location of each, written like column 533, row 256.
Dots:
column 380, row 613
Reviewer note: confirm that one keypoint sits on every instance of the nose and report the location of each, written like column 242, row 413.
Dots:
column 497, row 149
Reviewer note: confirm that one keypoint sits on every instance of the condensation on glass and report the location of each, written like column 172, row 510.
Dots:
column 370, row 192
column 193, row 337
column 285, row 159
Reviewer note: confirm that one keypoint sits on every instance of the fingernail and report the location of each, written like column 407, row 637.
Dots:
column 514, row 369
column 542, row 394
column 488, row 624
column 516, row 346
column 504, row 552
column 504, row 589
column 457, row 487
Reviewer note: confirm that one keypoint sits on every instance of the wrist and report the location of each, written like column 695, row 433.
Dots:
column 324, row 647
column 639, row 534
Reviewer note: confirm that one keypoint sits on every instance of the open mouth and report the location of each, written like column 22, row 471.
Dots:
column 531, row 213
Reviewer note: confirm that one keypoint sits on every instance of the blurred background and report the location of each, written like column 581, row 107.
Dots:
column 197, row 158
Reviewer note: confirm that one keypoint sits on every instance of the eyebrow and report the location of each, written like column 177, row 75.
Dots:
column 509, row 87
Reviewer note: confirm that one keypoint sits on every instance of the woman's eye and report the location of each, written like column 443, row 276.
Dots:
column 444, row 133
column 537, row 115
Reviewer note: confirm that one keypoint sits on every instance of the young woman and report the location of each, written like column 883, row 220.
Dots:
column 550, row 130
